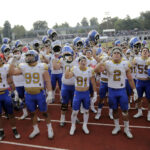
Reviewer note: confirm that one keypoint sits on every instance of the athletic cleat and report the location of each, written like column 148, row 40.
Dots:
column 34, row 134
column 93, row 110
column 85, row 129
column 50, row 134
column 62, row 124
column 23, row 117
column 2, row 135
column 139, row 114
column 16, row 134
column 128, row 133
column 97, row 116
column 72, row 130
column 148, row 117
column 38, row 119
column 111, row 116
column 116, row 130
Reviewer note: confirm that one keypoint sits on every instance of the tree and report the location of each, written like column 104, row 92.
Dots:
column 40, row 25
column 7, row 29
column 56, row 26
column 84, row 22
column 94, row 21
column 19, row 31
column 145, row 18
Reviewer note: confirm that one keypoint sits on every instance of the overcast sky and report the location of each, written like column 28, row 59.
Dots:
column 25, row 12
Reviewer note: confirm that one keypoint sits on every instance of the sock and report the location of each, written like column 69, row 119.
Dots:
column 139, row 110
column 36, row 128
column 110, row 111
column 62, row 118
column 126, row 125
column 74, row 117
column 148, row 112
column 85, row 118
column 99, row 111
column 49, row 126
column 25, row 111
column 116, row 122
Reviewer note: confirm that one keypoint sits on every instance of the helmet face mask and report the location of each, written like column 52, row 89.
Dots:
column 68, row 57
column 79, row 45
column 57, row 49
column 93, row 37
column 31, row 56
column 17, row 54
column 47, row 43
column 53, row 36
column 6, row 52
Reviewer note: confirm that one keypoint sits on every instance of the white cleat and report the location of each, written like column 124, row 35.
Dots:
column 130, row 99
column 34, row 134
column 116, row 130
column 72, row 130
column 129, row 106
column 38, row 119
column 139, row 114
column 111, row 116
column 23, row 116
column 93, row 110
column 128, row 133
column 50, row 134
column 85, row 129
column 148, row 117
column 97, row 116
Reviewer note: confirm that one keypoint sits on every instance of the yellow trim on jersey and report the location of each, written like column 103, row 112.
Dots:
column 93, row 73
column 101, row 57
column 144, row 58
column 148, row 61
column 123, row 59
column 41, row 56
column 83, row 69
column 72, row 69
column 2, row 92
column 129, row 64
column 45, row 66
column 90, row 58
column 33, row 90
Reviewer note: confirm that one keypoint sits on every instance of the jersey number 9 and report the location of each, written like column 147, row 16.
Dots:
column 35, row 78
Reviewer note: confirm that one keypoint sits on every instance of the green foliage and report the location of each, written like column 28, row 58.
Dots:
column 7, row 30
column 19, row 31
column 40, row 25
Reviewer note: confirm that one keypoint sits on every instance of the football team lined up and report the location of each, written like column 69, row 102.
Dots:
column 28, row 78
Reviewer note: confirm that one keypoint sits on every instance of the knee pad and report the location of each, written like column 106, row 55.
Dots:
column 64, row 107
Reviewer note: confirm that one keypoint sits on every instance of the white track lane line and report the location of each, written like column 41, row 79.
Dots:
column 30, row 145
column 106, row 107
column 92, row 123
